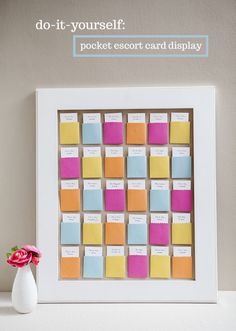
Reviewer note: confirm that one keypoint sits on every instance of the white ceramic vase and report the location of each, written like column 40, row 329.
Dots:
column 24, row 291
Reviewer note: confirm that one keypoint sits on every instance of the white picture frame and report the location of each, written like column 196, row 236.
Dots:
column 202, row 100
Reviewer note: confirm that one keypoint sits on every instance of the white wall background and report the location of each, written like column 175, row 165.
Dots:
column 31, row 59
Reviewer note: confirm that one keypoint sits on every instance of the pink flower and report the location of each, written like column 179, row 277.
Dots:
column 32, row 249
column 35, row 260
column 20, row 258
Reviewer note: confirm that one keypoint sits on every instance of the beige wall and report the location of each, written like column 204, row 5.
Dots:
column 30, row 59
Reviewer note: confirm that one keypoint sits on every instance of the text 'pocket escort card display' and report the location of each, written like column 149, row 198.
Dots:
column 125, row 179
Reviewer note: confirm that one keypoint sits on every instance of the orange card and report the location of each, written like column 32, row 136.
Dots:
column 70, row 200
column 137, row 200
column 115, row 233
column 182, row 267
column 70, row 267
column 114, row 167
column 136, row 133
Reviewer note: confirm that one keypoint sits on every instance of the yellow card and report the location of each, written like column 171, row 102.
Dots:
column 92, row 167
column 115, row 266
column 180, row 132
column 92, row 233
column 159, row 167
column 182, row 233
column 160, row 266
column 69, row 133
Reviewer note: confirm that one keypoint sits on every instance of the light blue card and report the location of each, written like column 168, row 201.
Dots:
column 93, row 267
column 92, row 133
column 181, row 167
column 70, row 233
column 137, row 234
column 92, row 200
column 159, row 200
column 136, row 166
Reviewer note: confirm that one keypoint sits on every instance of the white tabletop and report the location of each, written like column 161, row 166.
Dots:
column 122, row 317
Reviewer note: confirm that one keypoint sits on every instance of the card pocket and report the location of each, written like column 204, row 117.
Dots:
column 70, row 200
column 137, row 234
column 136, row 133
column 70, row 233
column 92, row 133
column 137, row 266
column 92, row 233
column 70, row 267
column 158, row 133
column 115, row 200
column 159, row 200
column 181, row 201
column 114, row 233
column 181, row 233
column 70, row 167
column 114, row 167
column 92, row 200
column 113, row 133
column 92, row 167
column 69, row 133
column 136, row 166
column 137, row 200
column 159, row 166
column 115, row 266
column 159, row 266
column 159, row 234
column 180, row 132
column 181, row 167
column 93, row 267
column 182, row 267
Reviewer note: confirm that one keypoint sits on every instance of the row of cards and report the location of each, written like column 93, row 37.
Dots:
column 179, row 199
column 137, row 262
column 111, row 131
column 114, row 162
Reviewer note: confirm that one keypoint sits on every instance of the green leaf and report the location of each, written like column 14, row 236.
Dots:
column 8, row 255
column 15, row 248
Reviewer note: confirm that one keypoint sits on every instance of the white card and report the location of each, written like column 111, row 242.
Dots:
column 92, row 118
column 69, row 152
column 180, row 151
column 181, row 217
column 158, row 118
column 159, row 218
column 160, row 185
column 137, row 250
column 159, row 250
column 136, row 184
column 70, row 218
column 159, row 151
column 136, row 151
column 92, row 184
column 137, row 219
column 92, row 151
column 113, row 117
column 182, row 251
column 68, row 117
column 179, row 117
column 181, row 184
column 115, row 251
column 114, row 151
column 70, row 251
column 93, row 251
column 72, row 184
column 92, row 218
column 136, row 118
column 115, row 218
column 115, row 184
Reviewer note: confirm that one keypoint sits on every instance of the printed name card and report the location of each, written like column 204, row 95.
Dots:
column 69, row 152
column 181, row 229
column 93, row 251
column 136, row 129
column 70, row 218
column 92, row 118
column 160, row 262
column 136, row 151
column 159, row 185
column 159, row 218
column 92, row 151
column 115, row 218
column 181, row 162
column 93, row 262
column 136, row 118
column 137, row 229
column 158, row 118
column 181, row 218
column 70, row 263
column 115, row 184
column 137, row 219
column 69, row 184
column 182, row 262
column 114, row 162
column 113, row 129
column 69, row 129
column 68, row 117
column 70, row 251
column 137, row 195
column 137, row 262
column 69, row 163
column 92, row 229
column 181, row 185
column 113, row 117
column 114, row 151
column 115, row 251
column 182, row 251
column 93, row 184
column 159, row 151
column 179, row 117
column 159, row 162
column 159, row 250
column 180, row 128
column 137, row 250
column 158, row 129
column 181, row 196
column 136, row 184
column 180, row 151
column 92, row 218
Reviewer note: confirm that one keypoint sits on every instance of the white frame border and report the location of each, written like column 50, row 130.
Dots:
column 202, row 100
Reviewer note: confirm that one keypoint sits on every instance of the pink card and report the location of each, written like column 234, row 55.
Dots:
column 158, row 133
column 181, row 200
column 137, row 266
column 113, row 133
column 115, row 200
column 70, row 167
column 159, row 234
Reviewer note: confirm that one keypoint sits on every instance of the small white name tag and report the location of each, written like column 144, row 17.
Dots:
column 115, row 184
column 181, row 185
column 92, row 218
column 92, row 151
column 136, row 118
column 115, row 251
column 114, row 151
column 137, row 250
column 93, row 251
column 159, row 250
column 72, row 184
column 136, row 184
column 136, row 151
column 179, row 117
column 92, row 118
column 159, row 218
column 137, row 219
column 180, row 151
column 158, row 118
column 115, row 218
column 113, row 117
column 70, row 251
column 71, row 218
column 69, row 152
column 93, row 184
column 68, row 117
column 159, row 151
column 181, row 217
column 182, row 251
column 160, row 185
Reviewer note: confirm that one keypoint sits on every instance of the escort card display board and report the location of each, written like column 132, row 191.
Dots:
column 126, row 195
